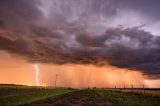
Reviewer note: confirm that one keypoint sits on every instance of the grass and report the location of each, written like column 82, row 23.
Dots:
column 19, row 95
column 146, row 92
column 27, row 97
column 129, row 99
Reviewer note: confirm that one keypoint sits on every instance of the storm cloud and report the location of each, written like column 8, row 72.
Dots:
column 83, row 32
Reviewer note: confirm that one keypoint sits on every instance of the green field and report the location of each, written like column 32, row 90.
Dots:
column 11, row 95
column 130, row 98
column 18, row 95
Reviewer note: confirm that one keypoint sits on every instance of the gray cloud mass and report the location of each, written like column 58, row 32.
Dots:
column 82, row 32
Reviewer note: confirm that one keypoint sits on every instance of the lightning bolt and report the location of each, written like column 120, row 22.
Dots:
column 37, row 74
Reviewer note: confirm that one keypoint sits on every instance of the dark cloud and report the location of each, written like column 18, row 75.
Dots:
column 135, row 49
column 17, row 15
column 77, row 32
column 18, row 9
column 126, row 48
column 148, row 7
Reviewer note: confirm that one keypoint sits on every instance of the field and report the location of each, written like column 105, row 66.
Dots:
column 153, row 92
column 11, row 95
column 121, row 98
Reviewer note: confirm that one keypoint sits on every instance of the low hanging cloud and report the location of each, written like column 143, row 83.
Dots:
column 77, row 32
column 126, row 48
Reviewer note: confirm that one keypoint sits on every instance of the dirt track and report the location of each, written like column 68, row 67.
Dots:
column 78, row 98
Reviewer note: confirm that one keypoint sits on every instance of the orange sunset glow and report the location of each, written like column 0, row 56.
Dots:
column 17, row 71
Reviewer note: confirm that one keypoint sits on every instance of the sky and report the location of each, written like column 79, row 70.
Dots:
column 86, row 43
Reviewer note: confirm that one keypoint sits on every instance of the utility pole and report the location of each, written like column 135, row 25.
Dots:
column 56, row 81
column 143, row 89
column 132, row 86
column 106, row 84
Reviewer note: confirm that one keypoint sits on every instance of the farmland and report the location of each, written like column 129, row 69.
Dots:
column 121, row 98
column 11, row 95
column 101, row 97
column 153, row 92
column 144, row 91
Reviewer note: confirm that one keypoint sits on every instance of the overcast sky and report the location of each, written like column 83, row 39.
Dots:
column 120, row 33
